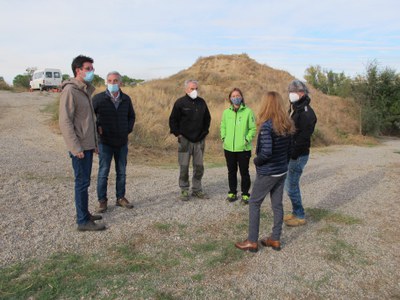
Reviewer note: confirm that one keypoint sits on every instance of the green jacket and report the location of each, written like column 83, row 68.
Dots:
column 238, row 129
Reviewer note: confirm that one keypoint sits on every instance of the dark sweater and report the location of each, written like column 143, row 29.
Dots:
column 273, row 151
column 190, row 118
column 304, row 119
column 116, row 123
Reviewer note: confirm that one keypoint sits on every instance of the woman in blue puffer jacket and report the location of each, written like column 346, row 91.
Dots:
column 273, row 152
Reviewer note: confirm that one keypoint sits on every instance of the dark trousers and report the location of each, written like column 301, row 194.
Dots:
column 264, row 185
column 233, row 160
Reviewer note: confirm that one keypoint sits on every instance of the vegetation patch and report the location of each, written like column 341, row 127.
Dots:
column 340, row 251
column 167, row 271
column 319, row 214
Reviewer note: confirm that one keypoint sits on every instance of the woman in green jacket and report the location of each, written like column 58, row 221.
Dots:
column 238, row 129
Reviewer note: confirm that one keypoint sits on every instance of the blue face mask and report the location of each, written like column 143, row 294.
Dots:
column 236, row 101
column 112, row 88
column 89, row 76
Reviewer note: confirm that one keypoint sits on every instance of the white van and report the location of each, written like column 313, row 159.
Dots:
column 46, row 79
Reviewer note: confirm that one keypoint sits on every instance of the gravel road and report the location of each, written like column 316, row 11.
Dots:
column 37, row 213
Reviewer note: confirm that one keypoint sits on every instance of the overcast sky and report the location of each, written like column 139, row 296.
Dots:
column 151, row 39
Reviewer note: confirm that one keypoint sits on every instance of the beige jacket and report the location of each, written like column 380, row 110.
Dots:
column 76, row 116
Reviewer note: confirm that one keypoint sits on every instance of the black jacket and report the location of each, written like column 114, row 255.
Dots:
column 304, row 119
column 273, row 151
column 116, row 124
column 190, row 118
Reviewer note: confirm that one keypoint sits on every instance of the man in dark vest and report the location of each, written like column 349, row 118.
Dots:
column 115, row 120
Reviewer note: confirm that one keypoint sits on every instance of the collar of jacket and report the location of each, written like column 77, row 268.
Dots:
column 121, row 95
column 303, row 102
column 241, row 107
column 83, row 86
column 190, row 98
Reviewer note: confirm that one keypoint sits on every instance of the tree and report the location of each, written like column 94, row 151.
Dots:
column 22, row 81
column 328, row 82
column 30, row 70
column 65, row 77
column 130, row 81
column 378, row 93
column 97, row 80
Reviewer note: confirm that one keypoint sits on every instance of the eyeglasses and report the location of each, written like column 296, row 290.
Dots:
column 88, row 68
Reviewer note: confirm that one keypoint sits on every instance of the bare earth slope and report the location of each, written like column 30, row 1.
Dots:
column 37, row 211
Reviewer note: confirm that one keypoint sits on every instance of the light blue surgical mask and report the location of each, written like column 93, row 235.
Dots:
column 112, row 88
column 237, row 100
column 89, row 76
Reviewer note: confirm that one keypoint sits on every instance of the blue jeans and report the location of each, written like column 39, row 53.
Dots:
column 106, row 153
column 292, row 184
column 82, row 172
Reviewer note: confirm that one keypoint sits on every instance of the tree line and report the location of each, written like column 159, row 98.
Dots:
column 23, row 80
column 377, row 92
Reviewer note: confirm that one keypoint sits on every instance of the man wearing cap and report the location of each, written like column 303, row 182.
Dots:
column 304, row 119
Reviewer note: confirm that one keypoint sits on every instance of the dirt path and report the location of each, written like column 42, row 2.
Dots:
column 37, row 211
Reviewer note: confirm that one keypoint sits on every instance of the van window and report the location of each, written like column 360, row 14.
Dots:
column 37, row 75
column 57, row 75
column 49, row 74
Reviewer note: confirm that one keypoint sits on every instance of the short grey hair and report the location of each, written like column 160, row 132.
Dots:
column 190, row 81
column 115, row 73
column 297, row 86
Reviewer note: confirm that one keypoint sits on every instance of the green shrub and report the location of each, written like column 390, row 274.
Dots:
column 4, row 85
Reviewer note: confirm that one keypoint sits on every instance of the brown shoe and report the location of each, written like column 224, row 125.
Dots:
column 124, row 203
column 94, row 217
column 247, row 246
column 91, row 226
column 268, row 242
column 289, row 217
column 102, row 206
column 295, row 222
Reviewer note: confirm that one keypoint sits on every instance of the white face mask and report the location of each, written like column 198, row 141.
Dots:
column 193, row 94
column 293, row 97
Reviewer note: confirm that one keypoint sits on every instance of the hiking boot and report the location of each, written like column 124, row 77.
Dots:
column 102, row 206
column 245, row 199
column 289, row 217
column 124, row 203
column 294, row 222
column 91, row 226
column 232, row 197
column 94, row 217
column 184, row 195
column 200, row 195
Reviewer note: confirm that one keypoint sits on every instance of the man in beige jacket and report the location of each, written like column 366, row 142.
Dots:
column 77, row 125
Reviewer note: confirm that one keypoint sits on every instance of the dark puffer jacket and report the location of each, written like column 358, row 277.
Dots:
column 116, row 124
column 273, row 151
column 304, row 119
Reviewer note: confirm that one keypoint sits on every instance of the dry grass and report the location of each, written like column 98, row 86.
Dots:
column 217, row 75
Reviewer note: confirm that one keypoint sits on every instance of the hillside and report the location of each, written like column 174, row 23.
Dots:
column 217, row 75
